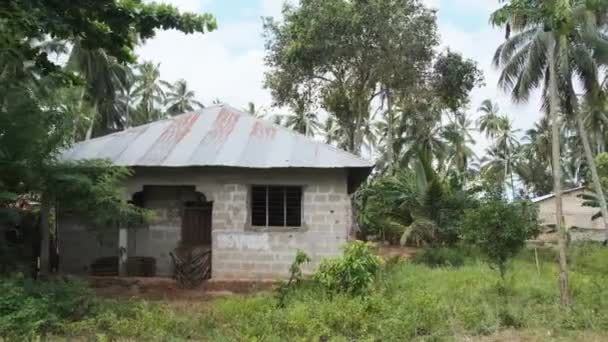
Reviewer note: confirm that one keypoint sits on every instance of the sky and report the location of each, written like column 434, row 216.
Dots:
column 228, row 64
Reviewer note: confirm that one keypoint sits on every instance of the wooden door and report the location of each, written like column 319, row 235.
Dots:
column 196, row 225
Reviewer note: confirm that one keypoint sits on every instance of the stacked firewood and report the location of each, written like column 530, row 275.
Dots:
column 192, row 265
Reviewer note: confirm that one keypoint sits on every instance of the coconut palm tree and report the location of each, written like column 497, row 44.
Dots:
column 254, row 110
column 573, row 31
column 126, row 97
column 528, row 60
column 179, row 99
column 459, row 140
column 596, row 123
column 332, row 131
column 149, row 92
column 301, row 121
column 104, row 78
column 489, row 121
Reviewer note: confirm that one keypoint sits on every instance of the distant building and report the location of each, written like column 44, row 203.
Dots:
column 577, row 217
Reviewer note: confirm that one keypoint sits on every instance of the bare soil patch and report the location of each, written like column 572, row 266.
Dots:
column 159, row 288
column 388, row 252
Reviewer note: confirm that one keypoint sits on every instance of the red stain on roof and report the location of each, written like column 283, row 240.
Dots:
column 222, row 127
column 179, row 128
column 262, row 131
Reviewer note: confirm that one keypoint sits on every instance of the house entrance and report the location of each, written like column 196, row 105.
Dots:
column 192, row 259
column 196, row 224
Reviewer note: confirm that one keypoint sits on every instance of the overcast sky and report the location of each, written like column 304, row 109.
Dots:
column 228, row 63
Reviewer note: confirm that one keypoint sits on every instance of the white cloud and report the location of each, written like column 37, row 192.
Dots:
column 226, row 64
column 209, row 65
column 272, row 8
column 186, row 5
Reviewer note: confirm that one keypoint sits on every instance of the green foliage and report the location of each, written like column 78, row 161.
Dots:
column 500, row 229
column 453, row 79
column 439, row 257
column 41, row 105
column 601, row 162
column 94, row 189
column 408, row 302
column 295, row 276
column 334, row 54
column 413, row 207
column 353, row 273
column 114, row 26
column 29, row 308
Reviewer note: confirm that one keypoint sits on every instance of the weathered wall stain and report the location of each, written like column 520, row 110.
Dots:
column 240, row 241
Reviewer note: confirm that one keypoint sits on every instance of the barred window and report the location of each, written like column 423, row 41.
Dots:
column 276, row 206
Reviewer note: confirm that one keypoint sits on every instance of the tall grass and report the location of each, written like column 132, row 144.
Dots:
column 407, row 302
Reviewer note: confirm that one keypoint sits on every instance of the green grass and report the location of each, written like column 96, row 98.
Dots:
column 408, row 302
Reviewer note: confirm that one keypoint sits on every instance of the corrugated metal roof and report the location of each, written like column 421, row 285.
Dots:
column 551, row 195
column 214, row 136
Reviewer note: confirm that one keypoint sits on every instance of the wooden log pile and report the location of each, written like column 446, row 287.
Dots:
column 192, row 265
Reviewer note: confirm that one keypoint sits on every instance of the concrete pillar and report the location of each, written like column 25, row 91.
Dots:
column 122, row 251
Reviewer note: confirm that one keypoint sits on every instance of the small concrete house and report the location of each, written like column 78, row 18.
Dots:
column 577, row 218
column 252, row 191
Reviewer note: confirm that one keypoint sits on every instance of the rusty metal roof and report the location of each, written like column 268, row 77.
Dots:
column 214, row 136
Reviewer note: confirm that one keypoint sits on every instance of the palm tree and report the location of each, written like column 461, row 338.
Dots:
column 596, row 123
column 460, row 154
column 179, row 99
column 104, row 78
column 489, row 121
column 301, row 121
column 577, row 49
column 528, row 59
column 254, row 110
column 149, row 92
column 532, row 168
column 507, row 141
column 126, row 97
column 332, row 131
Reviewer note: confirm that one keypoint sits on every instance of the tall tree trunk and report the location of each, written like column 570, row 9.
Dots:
column 596, row 179
column 92, row 124
column 512, row 183
column 45, row 210
column 390, row 144
column 127, row 110
column 557, row 175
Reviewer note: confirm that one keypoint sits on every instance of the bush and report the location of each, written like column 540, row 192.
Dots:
column 353, row 273
column 295, row 276
column 500, row 229
column 30, row 308
column 439, row 257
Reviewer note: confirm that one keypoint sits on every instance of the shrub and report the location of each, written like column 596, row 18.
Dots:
column 439, row 257
column 295, row 276
column 353, row 273
column 29, row 308
column 500, row 229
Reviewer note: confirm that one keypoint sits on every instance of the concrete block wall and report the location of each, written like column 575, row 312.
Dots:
column 239, row 251
column 79, row 245
column 244, row 252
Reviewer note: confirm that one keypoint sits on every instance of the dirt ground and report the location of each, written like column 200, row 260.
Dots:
column 160, row 288
column 510, row 335
column 388, row 252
